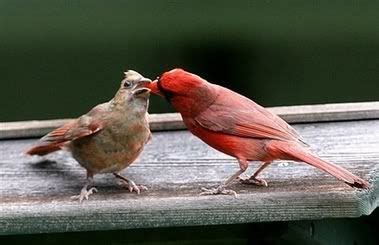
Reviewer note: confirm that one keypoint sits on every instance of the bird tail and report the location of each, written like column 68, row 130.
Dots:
column 44, row 148
column 300, row 154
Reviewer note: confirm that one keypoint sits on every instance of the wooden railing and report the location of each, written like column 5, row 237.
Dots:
column 35, row 191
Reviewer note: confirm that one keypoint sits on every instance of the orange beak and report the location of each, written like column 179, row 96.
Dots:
column 153, row 86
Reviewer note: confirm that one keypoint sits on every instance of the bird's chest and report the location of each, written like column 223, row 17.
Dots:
column 114, row 147
column 123, row 137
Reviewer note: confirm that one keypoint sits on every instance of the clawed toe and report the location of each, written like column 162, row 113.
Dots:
column 84, row 194
column 137, row 188
column 253, row 181
column 131, row 186
column 220, row 190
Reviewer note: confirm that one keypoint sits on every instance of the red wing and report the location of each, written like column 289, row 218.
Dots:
column 236, row 124
column 234, row 114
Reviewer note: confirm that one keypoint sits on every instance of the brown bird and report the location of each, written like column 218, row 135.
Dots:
column 109, row 137
column 237, row 126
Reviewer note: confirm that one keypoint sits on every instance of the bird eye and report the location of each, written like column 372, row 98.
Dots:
column 127, row 84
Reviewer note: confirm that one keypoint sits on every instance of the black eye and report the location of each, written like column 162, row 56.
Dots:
column 127, row 84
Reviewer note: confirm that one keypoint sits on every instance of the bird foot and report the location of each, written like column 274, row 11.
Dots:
column 84, row 194
column 131, row 186
column 253, row 181
column 220, row 190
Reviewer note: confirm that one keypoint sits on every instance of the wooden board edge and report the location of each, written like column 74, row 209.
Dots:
column 173, row 121
column 176, row 213
column 368, row 202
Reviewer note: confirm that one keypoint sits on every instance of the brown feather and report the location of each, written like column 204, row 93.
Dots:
column 44, row 149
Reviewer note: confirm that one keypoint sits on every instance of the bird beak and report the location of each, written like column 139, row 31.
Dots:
column 145, row 80
column 153, row 86
column 141, row 92
column 141, row 87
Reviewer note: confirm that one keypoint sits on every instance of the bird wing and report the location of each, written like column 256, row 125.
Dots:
column 237, row 115
column 76, row 129
column 85, row 125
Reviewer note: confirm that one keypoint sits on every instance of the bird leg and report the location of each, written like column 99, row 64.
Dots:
column 85, row 192
column 221, row 188
column 130, row 184
column 253, row 180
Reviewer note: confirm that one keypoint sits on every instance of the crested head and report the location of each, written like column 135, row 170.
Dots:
column 132, row 75
column 133, row 87
column 187, row 92
column 179, row 82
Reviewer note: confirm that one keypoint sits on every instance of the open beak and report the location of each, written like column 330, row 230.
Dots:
column 141, row 92
column 142, row 89
column 153, row 86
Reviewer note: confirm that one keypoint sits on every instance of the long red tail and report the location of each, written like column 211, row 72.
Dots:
column 301, row 154
column 44, row 148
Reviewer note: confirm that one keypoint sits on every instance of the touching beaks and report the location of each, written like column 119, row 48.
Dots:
column 153, row 86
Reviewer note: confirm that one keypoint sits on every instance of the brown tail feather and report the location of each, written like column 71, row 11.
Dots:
column 335, row 170
column 44, row 149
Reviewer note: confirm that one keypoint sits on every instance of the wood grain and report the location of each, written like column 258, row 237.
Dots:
column 173, row 121
column 35, row 192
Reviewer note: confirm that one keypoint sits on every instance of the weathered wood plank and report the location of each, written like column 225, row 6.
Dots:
column 328, row 112
column 37, row 128
column 35, row 191
column 173, row 121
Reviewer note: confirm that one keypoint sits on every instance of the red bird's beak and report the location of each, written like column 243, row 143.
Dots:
column 153, row 86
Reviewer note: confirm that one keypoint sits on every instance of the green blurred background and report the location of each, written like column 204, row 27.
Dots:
column 60, row 58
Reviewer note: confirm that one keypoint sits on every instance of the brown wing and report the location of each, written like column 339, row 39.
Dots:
column 235, row 114
column 83, row 126
column 79, row 128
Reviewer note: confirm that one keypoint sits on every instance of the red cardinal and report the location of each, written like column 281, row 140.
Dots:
column 109, row 137
column 237, row 126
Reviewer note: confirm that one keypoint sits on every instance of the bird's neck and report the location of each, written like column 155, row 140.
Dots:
column 199, row 100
